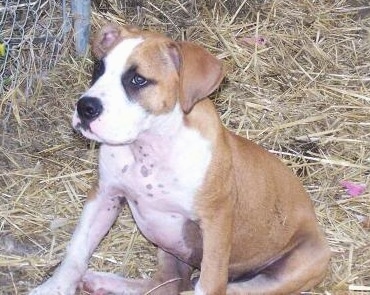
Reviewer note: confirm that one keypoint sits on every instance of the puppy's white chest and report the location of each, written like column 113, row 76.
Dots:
column 159, row 176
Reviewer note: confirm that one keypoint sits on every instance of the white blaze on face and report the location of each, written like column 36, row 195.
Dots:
column 121, row 120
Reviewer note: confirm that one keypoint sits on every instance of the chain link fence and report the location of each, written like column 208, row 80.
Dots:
column 32, row 36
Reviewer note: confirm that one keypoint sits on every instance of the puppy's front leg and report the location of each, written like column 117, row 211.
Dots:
column 100, row 211
column 216, row 224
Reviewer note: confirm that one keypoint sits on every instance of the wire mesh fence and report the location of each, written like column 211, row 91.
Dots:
column 32, row 36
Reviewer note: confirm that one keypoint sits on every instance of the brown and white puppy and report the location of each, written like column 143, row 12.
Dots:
column 207, row 198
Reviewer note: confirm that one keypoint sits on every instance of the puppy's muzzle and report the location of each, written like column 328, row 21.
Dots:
column 88, row 109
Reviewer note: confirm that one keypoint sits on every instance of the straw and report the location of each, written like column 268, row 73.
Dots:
column 303, row 94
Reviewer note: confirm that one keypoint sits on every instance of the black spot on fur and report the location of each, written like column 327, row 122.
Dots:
column 98, row 71
column 144, row 171
column 124, row 169
column 121, row 200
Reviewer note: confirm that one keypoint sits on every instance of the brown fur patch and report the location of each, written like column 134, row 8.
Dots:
column 192, row 236
column 91, row 195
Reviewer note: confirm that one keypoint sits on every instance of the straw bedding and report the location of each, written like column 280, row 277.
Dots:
column 297, row 83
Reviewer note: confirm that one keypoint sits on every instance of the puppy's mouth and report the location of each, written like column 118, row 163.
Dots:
column 81, row 126
column 86, row 131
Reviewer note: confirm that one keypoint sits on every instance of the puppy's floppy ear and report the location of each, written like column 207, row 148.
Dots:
column 109, row 35
column 104, row 39
column 200, row 72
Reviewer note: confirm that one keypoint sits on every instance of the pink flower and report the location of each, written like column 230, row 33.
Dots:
column 260, row 40
column 353, row 189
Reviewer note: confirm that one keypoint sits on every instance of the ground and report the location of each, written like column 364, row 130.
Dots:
column 297, row 83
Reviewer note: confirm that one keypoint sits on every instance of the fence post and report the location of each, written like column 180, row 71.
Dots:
column 81, row 12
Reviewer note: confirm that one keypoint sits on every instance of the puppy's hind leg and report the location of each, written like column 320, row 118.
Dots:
column 299, row 270
column 172, row 277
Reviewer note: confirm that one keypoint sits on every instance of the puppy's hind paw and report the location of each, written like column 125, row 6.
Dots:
column 98, row 283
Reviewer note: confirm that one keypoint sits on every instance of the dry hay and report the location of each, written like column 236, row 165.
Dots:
column 304, row 95
column 32, row 34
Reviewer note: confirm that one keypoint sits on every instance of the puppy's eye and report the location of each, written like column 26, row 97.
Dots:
column 138, row 80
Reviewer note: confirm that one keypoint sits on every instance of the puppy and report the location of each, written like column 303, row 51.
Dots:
column 207, row 198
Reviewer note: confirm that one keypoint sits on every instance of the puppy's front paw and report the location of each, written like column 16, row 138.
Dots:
column 54, row 287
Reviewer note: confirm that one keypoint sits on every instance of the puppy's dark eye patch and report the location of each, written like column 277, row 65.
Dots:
column 98, row 71
column 133, row 82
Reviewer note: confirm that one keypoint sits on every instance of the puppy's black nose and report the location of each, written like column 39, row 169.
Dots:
column 89, row 108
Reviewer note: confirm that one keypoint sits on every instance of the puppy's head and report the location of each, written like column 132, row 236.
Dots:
column 140, row 79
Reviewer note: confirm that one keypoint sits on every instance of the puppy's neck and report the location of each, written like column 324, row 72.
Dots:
column 163, row 133
column 168, row 134
column 165, row 125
